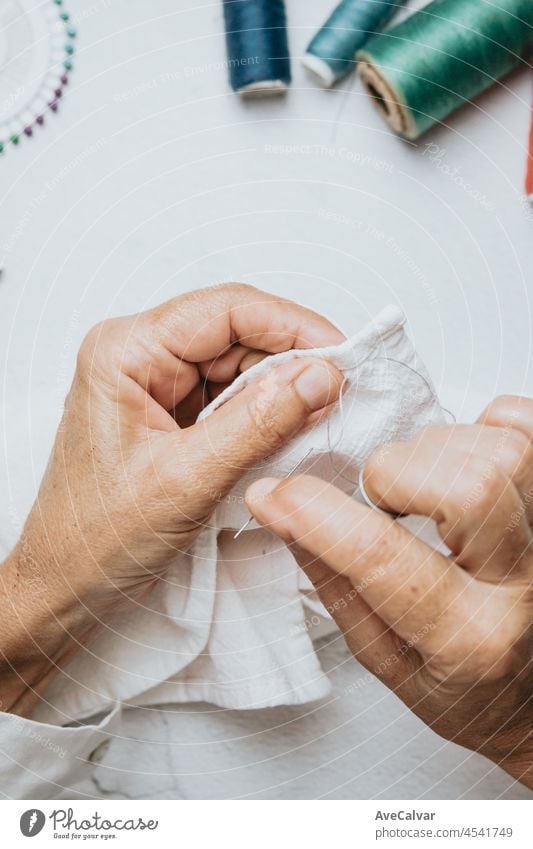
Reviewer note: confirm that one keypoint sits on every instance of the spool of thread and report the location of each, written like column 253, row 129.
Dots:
column 331, row 53
column 257, row 46
column 423, row 69
column 529, row 170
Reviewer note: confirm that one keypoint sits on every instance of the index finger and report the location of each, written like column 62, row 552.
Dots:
column 418, row 592
column 201, row 325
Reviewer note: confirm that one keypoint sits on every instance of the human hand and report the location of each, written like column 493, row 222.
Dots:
column 452, row 636
column 132, row 479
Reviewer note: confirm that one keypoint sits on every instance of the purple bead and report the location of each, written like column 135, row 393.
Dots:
column 53, row 105
column 28, row 131
column 64, row 79
column 40, row 120
column 58, row 92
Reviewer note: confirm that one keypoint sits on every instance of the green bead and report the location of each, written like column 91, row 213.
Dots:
column 64, row 16
column 1, row 147
column 67, row 64
column 15, row 138
column 69, row 49
column 72, row 32
column 58, row 2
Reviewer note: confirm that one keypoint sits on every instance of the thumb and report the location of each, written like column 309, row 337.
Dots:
column 258, row 421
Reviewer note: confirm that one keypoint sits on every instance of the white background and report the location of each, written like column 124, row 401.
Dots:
column 154, row 179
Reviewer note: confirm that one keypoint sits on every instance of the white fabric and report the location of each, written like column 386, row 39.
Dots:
column 228, row 624
column 40, row 761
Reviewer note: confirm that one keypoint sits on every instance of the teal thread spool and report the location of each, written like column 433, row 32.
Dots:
column 422, row 70
column 331, row 53
column 257, row 46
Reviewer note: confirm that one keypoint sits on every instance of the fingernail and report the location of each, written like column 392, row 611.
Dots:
column 259, row 494
column 317, row 386
column 251, row 359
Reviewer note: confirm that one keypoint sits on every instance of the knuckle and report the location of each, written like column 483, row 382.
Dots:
column 381, row 541
column 518, row 449
column 94, row 339
column 494, row 482
column 480, row 485
column 504, row 409
column 238, row 288
column 169, row 317
column 491, row 657
column 482, row 657
column 229, row 291
column 494, row 645
column 485, row 648
column 267, row 424
column 506, row 447
column 106, row 345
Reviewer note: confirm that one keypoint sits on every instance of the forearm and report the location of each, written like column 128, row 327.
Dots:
column 43, row 624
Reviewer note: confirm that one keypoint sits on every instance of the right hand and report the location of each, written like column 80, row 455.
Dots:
column 452, row 636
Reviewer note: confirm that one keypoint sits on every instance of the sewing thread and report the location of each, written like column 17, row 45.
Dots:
column 343, row 415
column 332, row 445
column 426, row 67
column 331, row 53
column 257, row 46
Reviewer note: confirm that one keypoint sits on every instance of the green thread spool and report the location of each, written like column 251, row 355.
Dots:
column 425, row 68
column 331, row 53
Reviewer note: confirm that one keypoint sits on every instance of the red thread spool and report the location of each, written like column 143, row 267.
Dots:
column 529, row 172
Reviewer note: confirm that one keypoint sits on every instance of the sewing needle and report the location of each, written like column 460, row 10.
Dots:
column 292, row 471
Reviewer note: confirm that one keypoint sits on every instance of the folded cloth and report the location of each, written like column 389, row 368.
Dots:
column 230, row 623
column 39, row 761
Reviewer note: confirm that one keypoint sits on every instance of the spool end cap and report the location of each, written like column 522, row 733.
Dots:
column 319, row 68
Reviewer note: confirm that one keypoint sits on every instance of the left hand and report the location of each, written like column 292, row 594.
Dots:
column 132, row 478
column 452, row 636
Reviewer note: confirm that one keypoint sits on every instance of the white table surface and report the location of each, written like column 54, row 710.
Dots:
column 154, row 179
